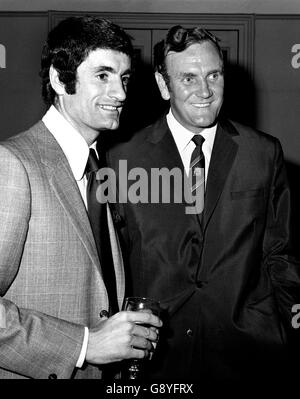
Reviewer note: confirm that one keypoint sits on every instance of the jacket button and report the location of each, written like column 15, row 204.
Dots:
column 189, row 332
column 199, row 284
column 117, row 218
column 52, row 376
column 103, row 313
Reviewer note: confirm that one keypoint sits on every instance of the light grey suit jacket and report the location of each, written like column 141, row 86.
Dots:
column 51, row 282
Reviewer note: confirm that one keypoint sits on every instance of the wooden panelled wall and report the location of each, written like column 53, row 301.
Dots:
column 262, row 73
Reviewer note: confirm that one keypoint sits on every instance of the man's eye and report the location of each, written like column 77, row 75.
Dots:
column 126, row 80
column 102, row 76
column 214, row 76
column 188, row 80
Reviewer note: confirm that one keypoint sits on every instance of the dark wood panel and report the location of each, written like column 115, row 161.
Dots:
column 240, row 23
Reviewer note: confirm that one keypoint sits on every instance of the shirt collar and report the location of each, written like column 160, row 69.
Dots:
column 183, row 136
column 70, row 140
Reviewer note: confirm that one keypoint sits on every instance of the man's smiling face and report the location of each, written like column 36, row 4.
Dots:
column 101, row 87
column 196, row 85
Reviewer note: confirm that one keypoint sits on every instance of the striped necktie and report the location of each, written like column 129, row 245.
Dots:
column 197, row 173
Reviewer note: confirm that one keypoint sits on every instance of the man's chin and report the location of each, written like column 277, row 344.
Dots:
column 111, row 125
column 205, row 122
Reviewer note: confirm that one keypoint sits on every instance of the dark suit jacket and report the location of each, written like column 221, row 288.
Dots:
column 228, row 287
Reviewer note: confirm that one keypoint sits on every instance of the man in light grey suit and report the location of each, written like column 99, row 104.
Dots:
column 54, row 302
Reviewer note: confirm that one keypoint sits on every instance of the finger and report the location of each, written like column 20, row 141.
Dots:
column 156, row 330
column 146, row 310
column 144, row 318
column 141, row 343
column 139, row 353
column 145, row 332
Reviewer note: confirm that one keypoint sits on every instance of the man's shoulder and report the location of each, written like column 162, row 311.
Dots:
column 26, row 136
column 24, row 145
column 258, row 143
column 250, row 133
column 139, row 142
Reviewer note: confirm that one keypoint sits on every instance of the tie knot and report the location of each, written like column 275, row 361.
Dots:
column 198, row 139
column 92, row 163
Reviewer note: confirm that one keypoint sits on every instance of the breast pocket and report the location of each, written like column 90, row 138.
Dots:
column 255, row 193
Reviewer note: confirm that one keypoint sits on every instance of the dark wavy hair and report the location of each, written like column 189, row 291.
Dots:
column 178, row 39
column 69, row 44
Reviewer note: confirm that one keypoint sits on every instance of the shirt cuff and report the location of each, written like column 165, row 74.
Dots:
column 81, row 358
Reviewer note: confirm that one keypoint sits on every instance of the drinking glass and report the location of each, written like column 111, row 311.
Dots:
column 137, row 304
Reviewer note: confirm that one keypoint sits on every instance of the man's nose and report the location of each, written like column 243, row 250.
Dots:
column 203, row 89
column 117, row 91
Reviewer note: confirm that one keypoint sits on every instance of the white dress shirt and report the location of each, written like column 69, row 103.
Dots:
column 76, row 151
column 73, row 145
column 185, row 145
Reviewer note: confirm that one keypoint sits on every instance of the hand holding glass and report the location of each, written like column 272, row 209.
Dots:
column 139, row 304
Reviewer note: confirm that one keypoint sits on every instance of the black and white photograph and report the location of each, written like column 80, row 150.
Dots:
column 149, row 195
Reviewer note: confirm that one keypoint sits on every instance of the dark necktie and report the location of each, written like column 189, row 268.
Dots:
column 97, row 212
column 197, row 173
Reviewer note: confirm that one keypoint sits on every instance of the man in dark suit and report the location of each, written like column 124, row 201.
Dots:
column 223, row 273
column 55, row 294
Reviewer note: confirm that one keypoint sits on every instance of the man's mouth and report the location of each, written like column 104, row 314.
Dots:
column 201, row 105
column 109, row 107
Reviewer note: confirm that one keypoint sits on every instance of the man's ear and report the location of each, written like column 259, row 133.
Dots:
column 56, row 84
column 163, row 88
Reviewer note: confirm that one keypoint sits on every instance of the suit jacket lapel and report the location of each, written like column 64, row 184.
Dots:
column 68, row 194
column 223, row 155
column 66, row 190
column 162, row 135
